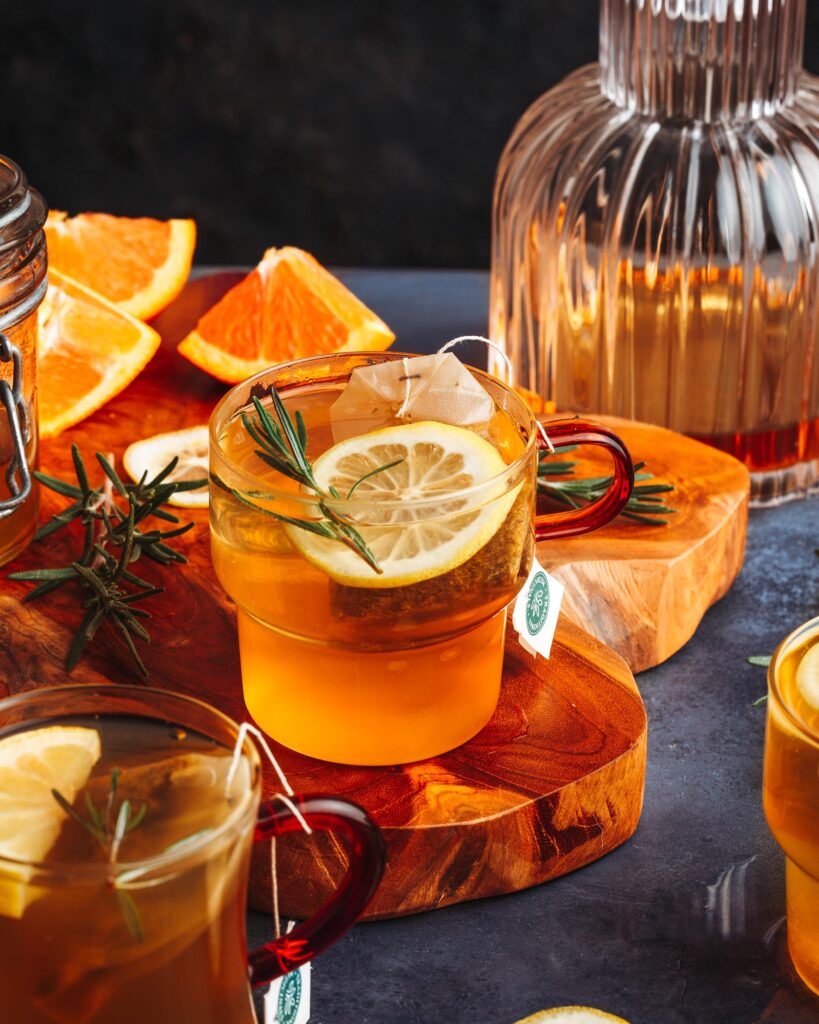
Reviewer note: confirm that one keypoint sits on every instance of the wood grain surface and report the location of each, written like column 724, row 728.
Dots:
column 643, row 590
column 553, row 782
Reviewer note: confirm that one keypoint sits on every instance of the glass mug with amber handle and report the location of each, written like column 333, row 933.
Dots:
column 154, row 932
column 365, row 673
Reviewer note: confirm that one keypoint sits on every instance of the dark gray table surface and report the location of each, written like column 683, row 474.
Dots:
column 684, row 923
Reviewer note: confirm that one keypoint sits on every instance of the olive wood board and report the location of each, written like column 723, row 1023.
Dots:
column 554, row 781
column 643, row 590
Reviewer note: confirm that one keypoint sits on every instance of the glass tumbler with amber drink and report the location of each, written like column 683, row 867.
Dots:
column 791, row 787
column 127, row 817
column 372, row 517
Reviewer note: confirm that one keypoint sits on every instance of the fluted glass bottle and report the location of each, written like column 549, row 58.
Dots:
column 655, row 231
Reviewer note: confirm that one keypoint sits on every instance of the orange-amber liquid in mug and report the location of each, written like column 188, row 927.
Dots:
column 358, row 674
column 791, row 798
column 69, row 954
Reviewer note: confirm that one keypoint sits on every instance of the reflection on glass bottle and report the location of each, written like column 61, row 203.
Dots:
column 656, row 219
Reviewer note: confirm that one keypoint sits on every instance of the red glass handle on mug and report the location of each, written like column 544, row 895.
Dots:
column 590, row 517
column 340, row 912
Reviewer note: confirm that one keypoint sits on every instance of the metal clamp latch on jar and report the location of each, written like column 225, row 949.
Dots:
column 18, row 475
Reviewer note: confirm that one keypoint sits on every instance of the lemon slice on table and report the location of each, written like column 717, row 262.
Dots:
column 411, row 543
column 32, row 763
column 154, row 453
column 572, row 1015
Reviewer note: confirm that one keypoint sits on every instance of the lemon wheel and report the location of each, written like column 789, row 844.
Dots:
column 572, row 1015
column 152, row 454
column 415, row 516
column 32, row 764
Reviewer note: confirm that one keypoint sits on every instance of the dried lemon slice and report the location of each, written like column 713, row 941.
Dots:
column 436, row 462
column 572, row 1015
column 32, row 763
column 154, row 453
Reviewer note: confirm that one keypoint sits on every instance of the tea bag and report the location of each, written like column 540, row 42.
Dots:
column 436, row 387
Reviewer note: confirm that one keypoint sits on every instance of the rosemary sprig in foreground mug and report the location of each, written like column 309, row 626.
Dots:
column 109, row 827
column 113, row 541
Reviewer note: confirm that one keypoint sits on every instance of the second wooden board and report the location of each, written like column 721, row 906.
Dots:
column 643, row 590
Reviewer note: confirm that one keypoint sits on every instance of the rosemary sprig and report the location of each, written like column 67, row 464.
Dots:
column 760, row 661
column 109, row 826
column 283, row 447
column 644, row 506
column 114, row 537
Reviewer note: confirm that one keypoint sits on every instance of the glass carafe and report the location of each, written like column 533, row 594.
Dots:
column 655, row 226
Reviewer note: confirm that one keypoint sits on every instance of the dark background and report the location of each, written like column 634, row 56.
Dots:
column 366, row 131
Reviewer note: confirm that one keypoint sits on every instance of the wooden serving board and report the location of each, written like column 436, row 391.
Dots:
column 553, row 782
column 643, row 590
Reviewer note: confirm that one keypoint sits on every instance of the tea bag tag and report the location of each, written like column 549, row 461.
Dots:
column 287, row 1001
column 536, row 611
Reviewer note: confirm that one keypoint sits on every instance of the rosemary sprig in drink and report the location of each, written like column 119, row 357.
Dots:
column 283, row 447
column 114, row 538
column 644, row 506
column 109, row 826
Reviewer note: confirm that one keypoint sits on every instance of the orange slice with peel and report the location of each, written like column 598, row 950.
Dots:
column 139, row 263
column 287, row 308
column 88, row 350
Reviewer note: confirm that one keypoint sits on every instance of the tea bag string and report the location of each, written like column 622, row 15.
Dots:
column 510, row 373
column 245, row 730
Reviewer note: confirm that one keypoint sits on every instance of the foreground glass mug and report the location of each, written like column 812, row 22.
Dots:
column 791, row 787
column 362, row 673
column 154, row 933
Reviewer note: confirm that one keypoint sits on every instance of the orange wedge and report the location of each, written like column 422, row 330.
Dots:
column 139, row 263
column 88, row 350
column 288, row 307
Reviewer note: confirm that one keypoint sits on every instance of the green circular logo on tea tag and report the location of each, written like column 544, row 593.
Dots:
column 537, row 603
column 287, row 1008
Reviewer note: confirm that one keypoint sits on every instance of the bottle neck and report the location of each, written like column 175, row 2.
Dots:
column 706, row 60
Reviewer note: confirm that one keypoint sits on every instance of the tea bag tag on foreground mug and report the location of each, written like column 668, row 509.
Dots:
column 287, row 1001
column 536, row 610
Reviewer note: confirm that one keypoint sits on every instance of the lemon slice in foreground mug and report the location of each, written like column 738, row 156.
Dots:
column 572, row 1015
column 32, row 763
column 152, row 454
column 410, row 542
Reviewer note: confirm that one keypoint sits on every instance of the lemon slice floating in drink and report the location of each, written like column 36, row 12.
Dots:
column 414, row 515
column 32, row 763
column 807, row 678
column 572, row 1015
column 152, row 454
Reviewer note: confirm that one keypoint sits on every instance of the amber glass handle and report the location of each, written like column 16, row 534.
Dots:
column 348, row 902
column 591, row 517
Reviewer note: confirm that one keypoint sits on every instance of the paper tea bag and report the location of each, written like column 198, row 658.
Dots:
column 437, row 387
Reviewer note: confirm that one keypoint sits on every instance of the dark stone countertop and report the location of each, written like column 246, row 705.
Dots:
column 684, row 923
